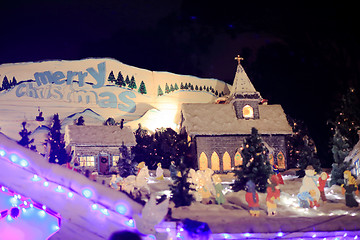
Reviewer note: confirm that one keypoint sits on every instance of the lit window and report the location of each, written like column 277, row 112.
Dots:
column 115, row 160
column 87, row 161
column 248, row 112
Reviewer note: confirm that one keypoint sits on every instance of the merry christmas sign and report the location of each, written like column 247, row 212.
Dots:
column 97, row 89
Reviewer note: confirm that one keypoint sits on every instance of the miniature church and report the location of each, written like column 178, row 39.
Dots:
column 218, row 130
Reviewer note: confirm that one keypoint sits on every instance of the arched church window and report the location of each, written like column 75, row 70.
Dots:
column 238, row 159
column 248, row 112
column 215, row 162
column 203, row 161
column 281, row 160
column 226, row 162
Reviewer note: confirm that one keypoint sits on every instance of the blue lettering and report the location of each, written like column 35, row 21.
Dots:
column 56, row 93
column 130, row 106
column 20, row 93
column 81, row 78
column 57, row 76
column 40, row 78
column 99, row 76
column 69, row 77
column 110, row 102
column 31, row 91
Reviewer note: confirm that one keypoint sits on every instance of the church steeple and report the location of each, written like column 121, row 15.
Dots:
column 243, row 95
column 242, row 84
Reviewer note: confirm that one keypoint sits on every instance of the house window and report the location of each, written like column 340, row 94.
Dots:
column 357, row 169
column 203, row 161
column 248, row 112
column 238, row 159
column 115, row 160
column 215, row 162
column 87, row 161
column 226, row 162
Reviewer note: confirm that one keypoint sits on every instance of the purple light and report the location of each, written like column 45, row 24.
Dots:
column 120, row 208
column 2, row 153
column 14, row 212
column 24, row 163
column 13, row 157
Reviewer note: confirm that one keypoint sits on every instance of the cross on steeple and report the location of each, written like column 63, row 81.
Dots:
column 238, row 58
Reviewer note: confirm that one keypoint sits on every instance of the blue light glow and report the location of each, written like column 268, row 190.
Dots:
column 70, row 194
column 94, row 206
column 130, row 223
column 280, row 234
column 35, row 178
column 42, row 213
column 87, row 193
column 2, row 153
column 105, row 211
column 13, row 157
column 247, row 234
column 226, row 236
column 121, row 209
column 46, row 184
column 59, row 189
column 24, row 163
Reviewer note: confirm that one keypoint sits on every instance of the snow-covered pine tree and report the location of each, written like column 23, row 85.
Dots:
column 125, row 165
column 5, row 83
column 167, row 89
column 57, row 146
column 127, row 80
column 24, row 133
column 181, row 187
column 256, row 166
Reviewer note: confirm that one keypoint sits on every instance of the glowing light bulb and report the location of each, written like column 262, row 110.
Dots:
column 70, row 194
column 87, row 193
column 24, row 163
column 46, row 184
column 2, row 153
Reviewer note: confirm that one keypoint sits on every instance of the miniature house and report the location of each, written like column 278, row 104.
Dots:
column 97, row 146
column 218, row 130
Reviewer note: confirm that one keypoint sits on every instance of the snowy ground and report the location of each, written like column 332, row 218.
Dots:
column 232, row 220
column 97, row 216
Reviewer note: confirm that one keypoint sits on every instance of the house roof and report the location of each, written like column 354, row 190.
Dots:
column 220, row 119
column 99, row 135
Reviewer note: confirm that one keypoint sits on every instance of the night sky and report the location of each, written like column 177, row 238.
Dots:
column 300, row 55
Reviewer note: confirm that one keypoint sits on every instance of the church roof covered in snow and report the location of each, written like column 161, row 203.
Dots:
column 99, row 135
column 220, row 119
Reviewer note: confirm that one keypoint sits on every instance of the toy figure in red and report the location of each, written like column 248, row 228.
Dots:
column 277, row 173
column 322, row 182
column 252, row 198
column 273, row 193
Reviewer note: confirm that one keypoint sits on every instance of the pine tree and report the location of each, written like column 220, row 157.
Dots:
column 80, row 121
column 124, row 165
column 256, row 166
column 5, row 83
column 186, row 86
column 127, row 80
column 167, row 89
column 302, row 149
column 176, row 87
column 57, row 146
column 182, row 86
column 120, row 80
column 14, row 82
column 180, row 190
column 172, row 88
column 132, row 84
column 111, row 77
column 142, row 88
column 160, row 92
column 24, row 133
column 345, row 127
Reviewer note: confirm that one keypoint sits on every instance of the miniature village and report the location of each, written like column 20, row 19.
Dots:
column 237, row 165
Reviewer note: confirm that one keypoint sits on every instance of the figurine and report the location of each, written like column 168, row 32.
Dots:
column 113, row 183
column 159, row 172
column 348, row 188
column 273, row 193
column 252, row 198
column 322, row 182
column 277, row 173
column 309, row 184
column 304, row 199
column 219, row 196
column 173, row 170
